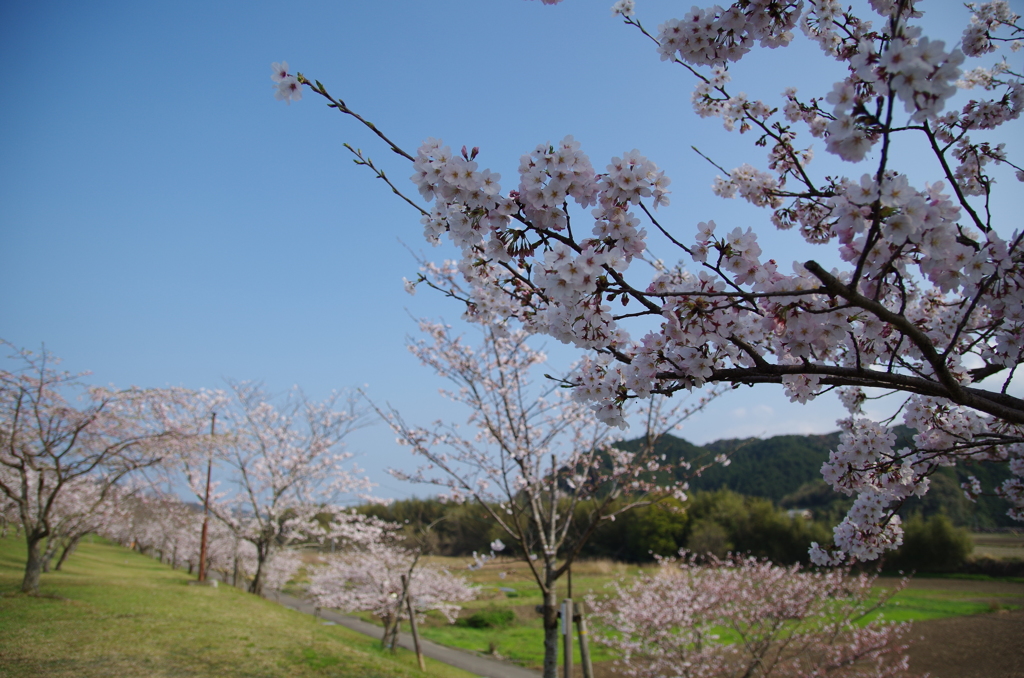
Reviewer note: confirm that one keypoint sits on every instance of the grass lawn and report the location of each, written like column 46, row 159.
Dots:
column 113, row 612
column 522, row 642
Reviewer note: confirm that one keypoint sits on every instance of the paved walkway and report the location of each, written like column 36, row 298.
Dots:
column 482, row 666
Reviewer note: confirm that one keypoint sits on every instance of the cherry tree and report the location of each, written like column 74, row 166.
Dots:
column 83, row 508
column 167, row 527
column 369, row 578
column 926, row 302
column 285, row 467
column 539, row 462
column 748, row 617
column 160, row 524
column 56, row 434
column 8, row 514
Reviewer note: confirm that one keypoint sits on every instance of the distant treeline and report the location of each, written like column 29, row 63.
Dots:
column 770, row 501
column 715, row 522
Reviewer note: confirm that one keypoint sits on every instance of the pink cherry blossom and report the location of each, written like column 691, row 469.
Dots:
column 788, row 622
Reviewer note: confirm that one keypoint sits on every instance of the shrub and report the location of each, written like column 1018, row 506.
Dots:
column 932, row 545
column 489, row 618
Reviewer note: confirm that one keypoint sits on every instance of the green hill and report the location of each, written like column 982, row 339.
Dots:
column 787, row 470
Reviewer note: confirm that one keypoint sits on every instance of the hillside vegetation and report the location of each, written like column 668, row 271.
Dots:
column 769, row 501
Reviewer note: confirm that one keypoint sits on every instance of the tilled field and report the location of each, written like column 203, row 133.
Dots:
column 980, row 646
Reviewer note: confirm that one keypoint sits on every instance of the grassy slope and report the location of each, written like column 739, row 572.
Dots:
column 115, row 612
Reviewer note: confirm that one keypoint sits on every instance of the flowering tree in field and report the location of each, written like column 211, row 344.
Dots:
column 927, row 304
column 161, row 525
column 84, row 507
column 538, row 461
column 155, row 523
column 59, row 437
column 747, row 617
column 285, row 466
column 369, row 578
column 280, row 569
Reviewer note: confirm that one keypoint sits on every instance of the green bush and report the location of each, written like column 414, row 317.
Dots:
column 932, row 545
column 489, row 618
column 707, row 536
column 725, row 520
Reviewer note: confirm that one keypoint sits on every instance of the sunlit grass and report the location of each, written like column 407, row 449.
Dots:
column 113, row 612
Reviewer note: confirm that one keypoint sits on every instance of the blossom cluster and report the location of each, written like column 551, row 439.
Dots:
column 370, row 579
column 985, row 20
column 792, row 622
column 286, row 85
column 713, row 36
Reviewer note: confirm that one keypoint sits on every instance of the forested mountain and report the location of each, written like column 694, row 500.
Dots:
column 769, row 468
column 787, row 470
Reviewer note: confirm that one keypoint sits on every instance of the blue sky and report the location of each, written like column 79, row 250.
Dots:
column 165, row 221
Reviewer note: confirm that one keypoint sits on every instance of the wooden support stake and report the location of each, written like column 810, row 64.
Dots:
column 412, row 624
column 567, row 609
column 581, row 626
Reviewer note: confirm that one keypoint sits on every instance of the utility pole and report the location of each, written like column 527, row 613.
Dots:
column 206, row 505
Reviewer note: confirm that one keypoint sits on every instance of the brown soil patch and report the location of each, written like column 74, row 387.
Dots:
column 980, row 646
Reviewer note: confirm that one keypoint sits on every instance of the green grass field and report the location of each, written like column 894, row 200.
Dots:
column 113, row 612
column 116, row 612
column 523, row 642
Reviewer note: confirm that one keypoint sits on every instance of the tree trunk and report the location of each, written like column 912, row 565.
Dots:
column 256, row 586
column 68, row 550
column 33, row 564
column 52, row 544
column 390, row 637
column 550, row 633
